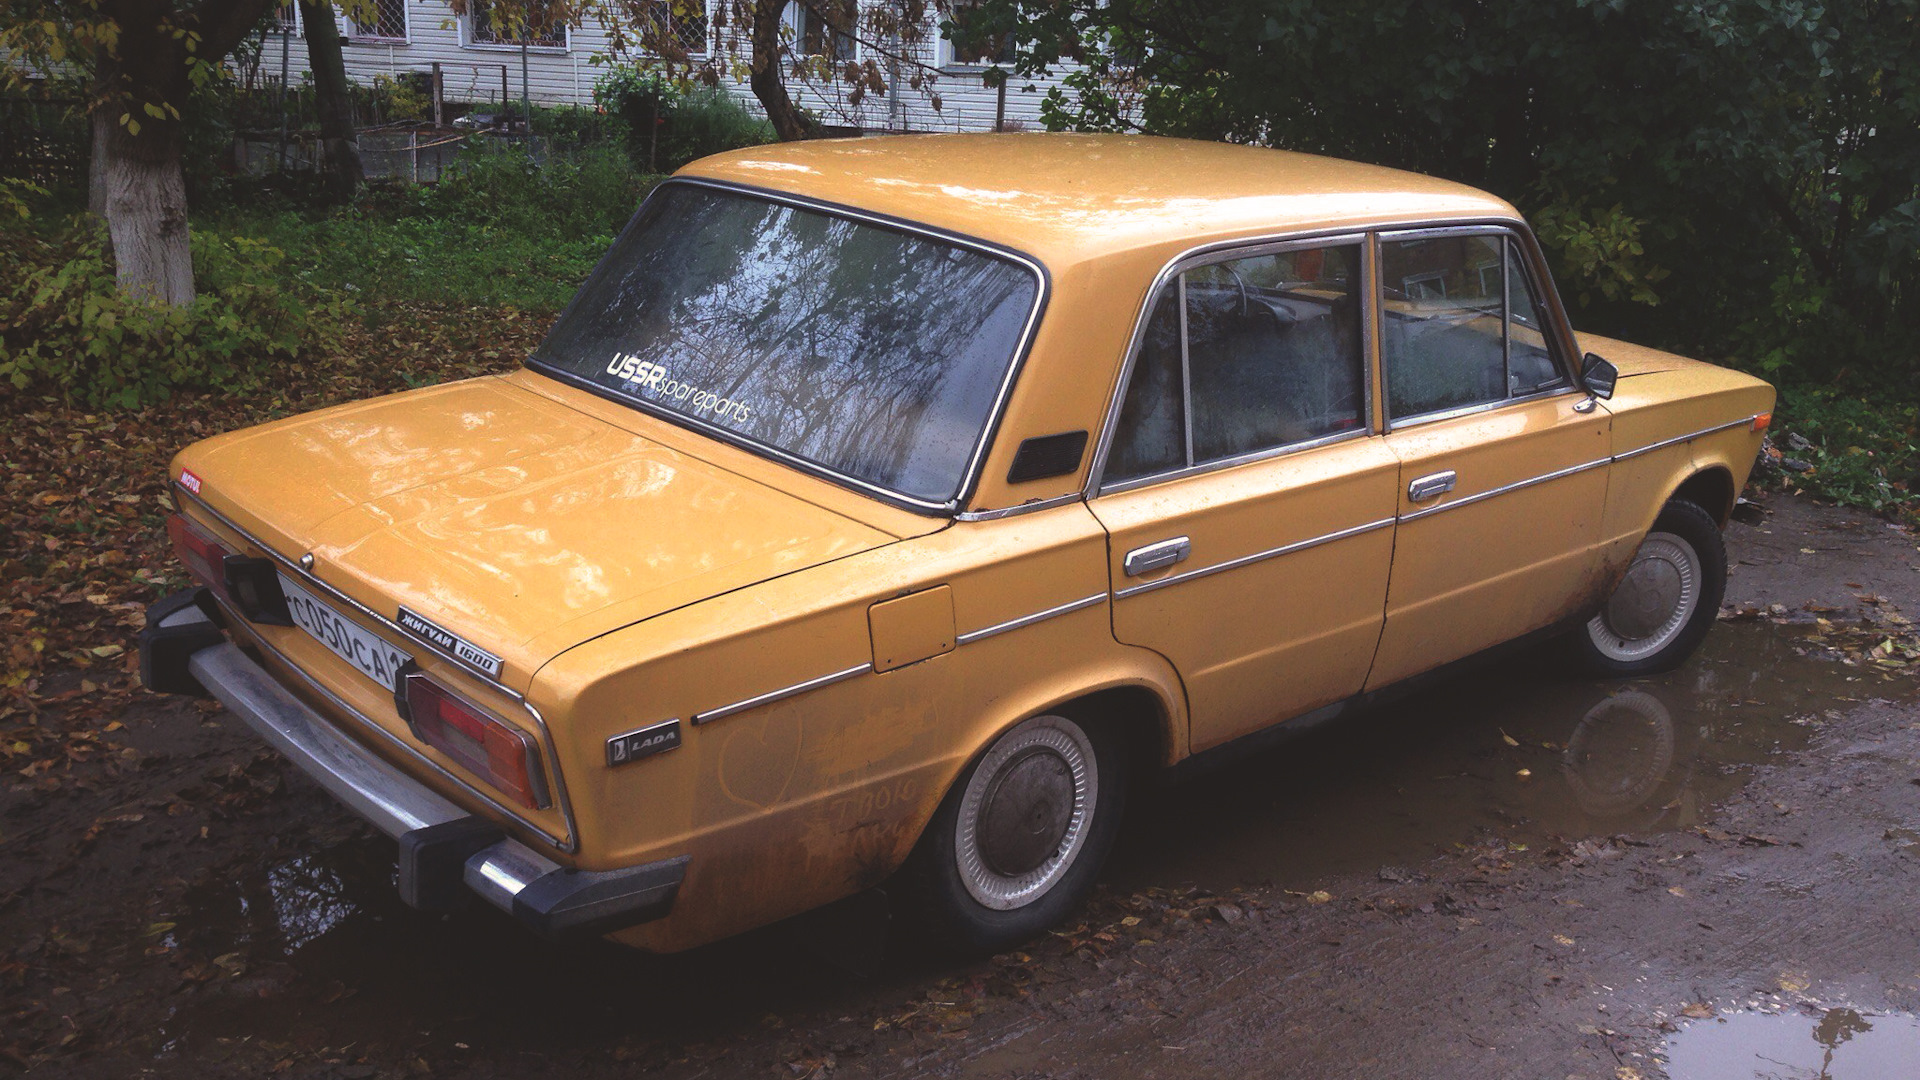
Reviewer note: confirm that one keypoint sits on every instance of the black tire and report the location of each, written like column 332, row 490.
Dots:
column 936, row 880
column 1638, row 631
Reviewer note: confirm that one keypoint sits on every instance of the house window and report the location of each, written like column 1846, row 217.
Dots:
column 821, row 28
column 676, row 25
column 483, row 29
column 983, row 51
column 387, row 21
column 287, row 17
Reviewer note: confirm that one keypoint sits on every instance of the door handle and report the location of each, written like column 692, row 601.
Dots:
column 1145, row 560
column 1427, row 487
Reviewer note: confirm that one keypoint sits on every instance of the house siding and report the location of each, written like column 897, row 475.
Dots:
column 472, row 73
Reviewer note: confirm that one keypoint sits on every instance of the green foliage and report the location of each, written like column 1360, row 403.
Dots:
column 66, row 328
column 669, row 124
column 590, row 193
column 1765, row 156
column 1864, row 450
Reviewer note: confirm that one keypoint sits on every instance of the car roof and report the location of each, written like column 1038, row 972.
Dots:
column 1064, row 198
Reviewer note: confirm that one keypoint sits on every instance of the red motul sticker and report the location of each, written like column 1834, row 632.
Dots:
column 189, row 481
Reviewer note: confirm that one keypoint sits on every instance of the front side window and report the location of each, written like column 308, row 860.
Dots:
column 1243, row 356
column 876, row 353
column 1459, row 325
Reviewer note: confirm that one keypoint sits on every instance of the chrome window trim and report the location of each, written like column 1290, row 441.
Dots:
column 1515, row 235
column 570, row 842
column 1201, row 255
column 1069, row 607
column 1485, row 406
column 1017, row 509
column 1258, row 556
column 306, row 577
column 970, row 475
column 1480, row 496
column 1228, row 463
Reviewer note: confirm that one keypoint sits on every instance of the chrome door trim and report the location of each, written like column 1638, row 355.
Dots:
column 1663, row 443
column 1469, row 500
column 1486, row 406
column 1070, row 606
column 1157, row 556
column 570, row 842
column 781, row 694
column 1228, row 463
column 970, row 476
column 1248, row 560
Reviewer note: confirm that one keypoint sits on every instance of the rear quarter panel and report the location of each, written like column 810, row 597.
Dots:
column 801, row 801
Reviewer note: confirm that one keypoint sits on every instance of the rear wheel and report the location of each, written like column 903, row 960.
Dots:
column 1665, row 602
column 1016, row 844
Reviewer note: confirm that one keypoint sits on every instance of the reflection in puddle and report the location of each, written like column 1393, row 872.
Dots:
column 308, row 901
column 1506, row 753
column 1840, row 1044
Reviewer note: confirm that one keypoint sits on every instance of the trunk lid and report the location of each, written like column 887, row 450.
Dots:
column 508, row 518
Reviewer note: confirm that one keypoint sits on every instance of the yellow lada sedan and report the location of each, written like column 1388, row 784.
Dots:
column 881, row 510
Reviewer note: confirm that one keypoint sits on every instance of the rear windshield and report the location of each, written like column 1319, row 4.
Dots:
column 873, row 352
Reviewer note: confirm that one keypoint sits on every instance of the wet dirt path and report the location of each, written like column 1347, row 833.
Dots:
column 1510, row 874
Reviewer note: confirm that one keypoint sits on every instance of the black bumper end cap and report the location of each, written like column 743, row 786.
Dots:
column 433, row 861
column 567, row 904
column 165, row 650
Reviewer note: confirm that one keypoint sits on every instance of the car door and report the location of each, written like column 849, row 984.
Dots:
column 1249, row 502
column 1503, row 464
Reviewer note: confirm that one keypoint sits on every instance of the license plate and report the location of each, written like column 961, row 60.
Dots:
column 372, row 656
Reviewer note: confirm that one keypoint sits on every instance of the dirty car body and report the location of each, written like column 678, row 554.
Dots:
column 878, row 508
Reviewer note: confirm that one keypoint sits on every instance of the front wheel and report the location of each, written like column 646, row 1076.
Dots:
column 1665, row 602
column 1017, row 842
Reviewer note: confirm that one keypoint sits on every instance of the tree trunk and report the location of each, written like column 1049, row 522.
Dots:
column 769, row 83
column 143, row 195
column 339, row 152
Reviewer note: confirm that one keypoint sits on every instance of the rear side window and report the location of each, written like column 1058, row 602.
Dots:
column 1459, row 325
column 1243, row 356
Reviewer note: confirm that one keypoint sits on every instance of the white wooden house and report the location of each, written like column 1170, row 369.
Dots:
column 479, row 63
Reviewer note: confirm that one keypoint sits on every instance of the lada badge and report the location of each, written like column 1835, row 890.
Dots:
column 645, row 742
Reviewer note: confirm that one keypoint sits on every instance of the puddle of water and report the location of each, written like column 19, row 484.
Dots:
column 319, row 949
column 1512, row 752
column 1840, row 1044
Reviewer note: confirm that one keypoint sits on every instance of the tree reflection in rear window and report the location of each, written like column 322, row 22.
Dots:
column 873, row 352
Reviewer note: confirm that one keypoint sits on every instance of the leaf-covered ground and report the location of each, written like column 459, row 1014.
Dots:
column 83, row 506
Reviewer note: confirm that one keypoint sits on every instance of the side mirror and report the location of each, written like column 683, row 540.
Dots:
column 1599, row 374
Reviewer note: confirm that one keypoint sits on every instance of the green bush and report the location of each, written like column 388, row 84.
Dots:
column 669, row 125
column 65, row 328
column 588, row 193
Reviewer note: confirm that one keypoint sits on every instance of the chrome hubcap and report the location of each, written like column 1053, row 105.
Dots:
column 1654, row 602
column 1025, row 813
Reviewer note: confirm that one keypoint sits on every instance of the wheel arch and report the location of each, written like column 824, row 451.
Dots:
column 1710, row 488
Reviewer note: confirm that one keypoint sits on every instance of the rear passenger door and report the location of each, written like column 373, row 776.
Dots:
column 1503, row 463
column 1249, row 501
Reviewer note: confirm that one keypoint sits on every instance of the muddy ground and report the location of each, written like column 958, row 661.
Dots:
column 1511, row 874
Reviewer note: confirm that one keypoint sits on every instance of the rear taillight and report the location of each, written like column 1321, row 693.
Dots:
column 204, row 556
column 502, row 756
column 1763, row 421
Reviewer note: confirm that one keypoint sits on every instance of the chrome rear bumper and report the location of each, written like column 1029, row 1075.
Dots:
column 443, row 848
